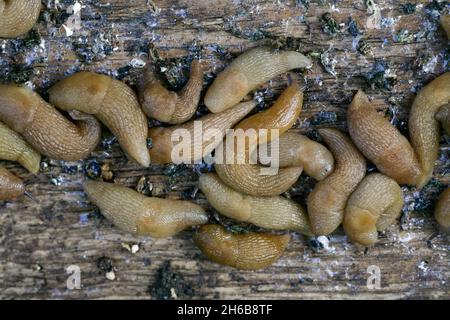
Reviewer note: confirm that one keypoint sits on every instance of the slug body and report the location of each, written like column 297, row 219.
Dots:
column 444, row 117
column 296, row 150
column 11, row 187
column 326, row 203
column 246, row 177
column 163, row 146
column 373, row 207
column 276, row 213
column 135, row 213
column 249, row 251
column 112, row 102
column 14, row 148
column 17, row 17
column 167, row 106
column 47, row 130
column 247, row 72
column 423, row 126
column 381, row 142
column 442, row 211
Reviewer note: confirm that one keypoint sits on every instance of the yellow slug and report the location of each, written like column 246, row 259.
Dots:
column 374, row 206
column 247, row 72
column 14, row 148
column 47, row 130
column 442, row 210
column 167, row 106
column 135, row 213
column 112, row 102
column 249, row 251
column 11, row 186
column 276, row 213
column 326, row 203
column 17, row 17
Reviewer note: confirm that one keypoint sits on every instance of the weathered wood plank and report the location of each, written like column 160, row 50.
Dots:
column 39, row 240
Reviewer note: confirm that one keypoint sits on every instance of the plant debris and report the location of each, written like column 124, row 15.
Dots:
column 170, row 285
column 381, row 77
column 330, row 25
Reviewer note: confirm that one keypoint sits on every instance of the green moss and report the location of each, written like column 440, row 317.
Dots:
column 330, row 25
column 408, row 8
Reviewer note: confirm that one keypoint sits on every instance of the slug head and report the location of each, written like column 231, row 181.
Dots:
column 17, row 106
column 84, row 91
column 11, row 186
column 227, row 90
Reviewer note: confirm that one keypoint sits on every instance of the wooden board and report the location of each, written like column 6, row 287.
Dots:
column 40, row 239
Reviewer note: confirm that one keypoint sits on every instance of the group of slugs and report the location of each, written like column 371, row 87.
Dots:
column 345, row 194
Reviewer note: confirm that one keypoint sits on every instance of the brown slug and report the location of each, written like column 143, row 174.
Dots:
column 246, row 177
column 112, row 102
column 17, row 17
column 135, row 213
column 167, row 106
column 47, row 130
column 442, row 210
column 14, row 148
column 163, row 146
column 381, row 142
column 248, row 251
column 374, row 206
column 247, row 72
column 296, row 150
column 326, row 203
column 11, row 186
column 276, row 213
column 423, row 126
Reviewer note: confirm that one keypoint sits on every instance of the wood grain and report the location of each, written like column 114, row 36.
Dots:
column 40, row 239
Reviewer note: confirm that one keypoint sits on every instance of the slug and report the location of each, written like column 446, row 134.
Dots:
column 443, row 116
column 442, row 211
column 296, row 150
column 43, row 127
column 247, row 72
column 17, row 17
column 423, row 126
column 167, row 106
column 163, row 146
column 112, row 102
column 326, row 203
column 373, row 206
column 276, row 213
column 14, row 148
column 11, row 187
column 135, row 213
column 247, row 178
column 249, row 251
column 381, row 142
column 445, row 22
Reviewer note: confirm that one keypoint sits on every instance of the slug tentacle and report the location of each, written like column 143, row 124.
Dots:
column 247, row 72
column 276, row 213
column 423, row 126
column 443, row 116
column 162, row 144
column 381, row 142
column 167, row 106
column 11, row 186
column 112, row 102
column 48, row 131
column 17, row 17
column 14, row 148
column 249, row 251
column 374, row 206
column 326, row 203
column 246, row 177
column 442, row 211
column 135, row 213
column 296, row 150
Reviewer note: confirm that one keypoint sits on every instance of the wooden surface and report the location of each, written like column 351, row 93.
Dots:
column 40, row 239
